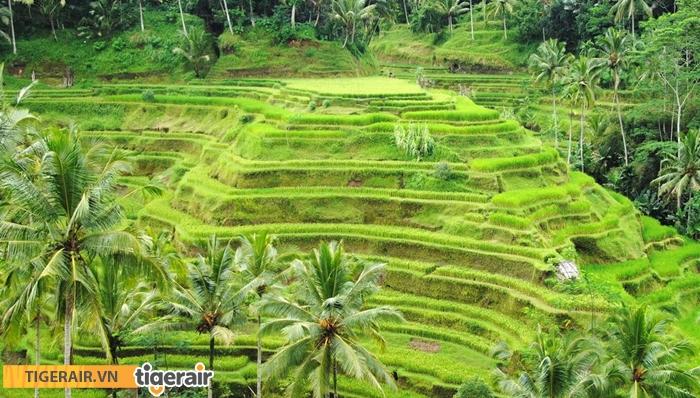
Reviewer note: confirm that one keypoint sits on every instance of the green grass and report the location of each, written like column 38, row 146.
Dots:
column 374, row 86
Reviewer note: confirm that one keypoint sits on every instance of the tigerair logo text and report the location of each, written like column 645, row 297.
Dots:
column 158, row 380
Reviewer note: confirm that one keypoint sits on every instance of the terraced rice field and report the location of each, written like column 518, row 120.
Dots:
column 468, row 256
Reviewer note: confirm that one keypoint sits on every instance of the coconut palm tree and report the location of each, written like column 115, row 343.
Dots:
column 681, row 175
column 503, row 8
column 25, row 302
column 65, row 219
column 453, row 8
column 350, row 12
column 582, row 84
column 550, row 64
column 564, row 365
column 627, row 9
column 643, row 358
column 615, row 49
column 124, row 299
column 259, row 265
column 7, row 17
column 212, row 303
column 195, row 49
column 323, row 324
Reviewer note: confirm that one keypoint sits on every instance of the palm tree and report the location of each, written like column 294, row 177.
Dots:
column 644, row 360
column 65, row 219
column 350, row 12
column 123, row 299
column 582, row 84
column 25, row 297
column 213, row 301
column 323, row 325
column 503, row 8
column 564, row 367
column 681, row 175
column 628, row 8
column 615, row 49
column 258, row 264
column 550, row 64
column 195, row 49
column 453, row 8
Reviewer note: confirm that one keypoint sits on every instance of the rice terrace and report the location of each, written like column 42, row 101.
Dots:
column 353, row 198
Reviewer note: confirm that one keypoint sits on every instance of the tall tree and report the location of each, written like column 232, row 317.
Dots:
column 627, row 9
column 644, row 360
column 615, row 49
column 66, row 219
column 51, row 8
column 453, row 8
column 550, row 64
column 582, row 84
column 350, row 12
column 672, row 53
column 212, row 303
column 681, row 175
column 503, row 8
column 324, row 323
column 258, row 263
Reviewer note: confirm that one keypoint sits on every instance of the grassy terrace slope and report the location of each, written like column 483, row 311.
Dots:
column 467, row 255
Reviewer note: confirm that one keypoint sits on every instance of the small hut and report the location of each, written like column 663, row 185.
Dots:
column 567, row 270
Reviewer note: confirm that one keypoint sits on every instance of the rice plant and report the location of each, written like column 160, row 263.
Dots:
column 415, row 141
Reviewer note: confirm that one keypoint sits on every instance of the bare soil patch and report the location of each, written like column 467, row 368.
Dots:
column 423, row 345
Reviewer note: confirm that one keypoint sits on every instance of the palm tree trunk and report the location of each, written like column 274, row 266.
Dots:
column 555, row 117
column 633, row 37
column 347, row 35
column 211, row 363
column 571, row 125
column 505, row 28
column 619, row 116
column 12, row 27
column 53, row 29
column 259, row 381
column 449, row 23
column 405, row 11
column 471, row 17
column 67, row 326
column 335, row 378
column 141, row 15
column 354, row 24
column 228, row 17
column 37, row 347
column 583, row 125
column 486, row 21
column 294, row 12
column 182, row 18
column 252, row 16
column 318, row 14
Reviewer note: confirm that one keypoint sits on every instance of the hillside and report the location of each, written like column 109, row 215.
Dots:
column 470, row 256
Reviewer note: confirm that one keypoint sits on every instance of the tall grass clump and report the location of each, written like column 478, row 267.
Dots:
column 415, row 141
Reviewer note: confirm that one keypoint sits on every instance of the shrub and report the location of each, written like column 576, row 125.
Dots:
column 148, row 96
column 247, row 118
column 415, row 142
column 99, row 45
column 443, row 171
column 475, row 387
column 326, row 103
column 312, row 106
